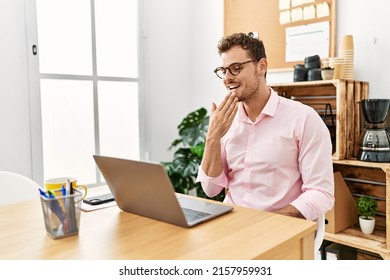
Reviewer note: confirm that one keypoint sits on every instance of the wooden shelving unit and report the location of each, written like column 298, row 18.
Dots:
column 361, row 177
column 372, row 179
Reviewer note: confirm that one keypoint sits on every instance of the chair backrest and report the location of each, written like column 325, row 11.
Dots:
column 320, row 233
column 16, row 188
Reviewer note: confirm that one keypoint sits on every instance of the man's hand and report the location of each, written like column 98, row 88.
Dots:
column 221, row 117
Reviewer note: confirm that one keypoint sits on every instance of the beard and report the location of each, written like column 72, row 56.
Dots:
column 250, row 90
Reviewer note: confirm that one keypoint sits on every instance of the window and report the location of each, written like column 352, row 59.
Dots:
column 88, row 57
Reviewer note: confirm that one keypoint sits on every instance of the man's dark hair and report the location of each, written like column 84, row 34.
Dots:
column 248, row 42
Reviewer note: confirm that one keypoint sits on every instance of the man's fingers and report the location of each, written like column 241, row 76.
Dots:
column 233, row 111
column 221, row 121
column 213, row 108
column 226, row 102
column 232, row 107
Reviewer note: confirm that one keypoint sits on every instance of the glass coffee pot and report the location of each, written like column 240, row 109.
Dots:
column 374, row 142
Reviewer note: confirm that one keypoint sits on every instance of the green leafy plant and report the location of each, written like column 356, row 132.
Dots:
column 183, row 169
column 366, row 206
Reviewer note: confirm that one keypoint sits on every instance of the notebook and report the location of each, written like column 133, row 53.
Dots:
column 144, row 188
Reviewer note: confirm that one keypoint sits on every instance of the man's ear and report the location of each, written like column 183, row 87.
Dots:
column 263, row 63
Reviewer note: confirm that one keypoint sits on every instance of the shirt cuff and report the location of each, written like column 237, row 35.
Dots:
column 220, row 180
column 313, row 211
column 212, row 186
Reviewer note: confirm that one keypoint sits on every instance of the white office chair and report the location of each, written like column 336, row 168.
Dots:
column 16, row 188
column 320, row 233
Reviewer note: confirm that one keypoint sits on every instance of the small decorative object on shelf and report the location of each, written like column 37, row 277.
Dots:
column 366, row 207
column 327, row 73
column 300, row 73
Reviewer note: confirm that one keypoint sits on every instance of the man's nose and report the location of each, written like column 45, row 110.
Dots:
column 228, row 76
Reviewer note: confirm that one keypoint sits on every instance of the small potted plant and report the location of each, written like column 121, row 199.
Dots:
column 366, row 208
column 327, row 73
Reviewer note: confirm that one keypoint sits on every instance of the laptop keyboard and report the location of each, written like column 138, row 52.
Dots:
column 192, row 215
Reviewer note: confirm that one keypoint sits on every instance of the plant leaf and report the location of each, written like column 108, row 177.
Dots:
column 186, row 163
column 193, row 128
column 198, row 150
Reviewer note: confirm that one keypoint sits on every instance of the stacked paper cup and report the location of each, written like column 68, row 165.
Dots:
column 347, row 52
column 338, row 64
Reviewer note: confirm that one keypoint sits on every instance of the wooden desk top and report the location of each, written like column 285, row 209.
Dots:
column 113, row 234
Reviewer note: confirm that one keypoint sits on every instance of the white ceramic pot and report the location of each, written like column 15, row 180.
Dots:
column 367, row 225
column 327, row 74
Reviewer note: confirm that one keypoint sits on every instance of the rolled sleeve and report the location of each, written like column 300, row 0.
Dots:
column 312, row 211
column 212, row 186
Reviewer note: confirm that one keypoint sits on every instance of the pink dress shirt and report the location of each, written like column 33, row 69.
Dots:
column 284, row 157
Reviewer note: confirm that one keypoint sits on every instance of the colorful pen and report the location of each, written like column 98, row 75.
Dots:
column 43, row 193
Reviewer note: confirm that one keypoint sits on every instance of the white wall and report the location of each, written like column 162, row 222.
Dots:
column 180, row 56
column 207, row 29
column 167, row 49
column 368, row 22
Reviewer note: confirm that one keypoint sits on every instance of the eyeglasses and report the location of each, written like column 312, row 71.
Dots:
column 234, row 69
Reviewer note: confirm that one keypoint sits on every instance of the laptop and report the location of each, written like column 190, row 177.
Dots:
column 144, row 188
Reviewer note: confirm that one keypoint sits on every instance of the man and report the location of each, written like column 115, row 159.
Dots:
column 269, row 152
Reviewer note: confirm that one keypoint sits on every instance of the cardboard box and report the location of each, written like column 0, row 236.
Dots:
column 344, row 212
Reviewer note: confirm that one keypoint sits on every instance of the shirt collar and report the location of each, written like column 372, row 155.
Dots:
column 269, row 108
column 271, row 105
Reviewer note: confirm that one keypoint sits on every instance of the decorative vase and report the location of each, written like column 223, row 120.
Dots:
column 367, row 225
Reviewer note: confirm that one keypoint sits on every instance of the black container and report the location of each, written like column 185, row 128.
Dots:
column 300, row 73
column 312, row 62
column 314, row 74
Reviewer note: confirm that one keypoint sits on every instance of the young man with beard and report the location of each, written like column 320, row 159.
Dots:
column 268, row 152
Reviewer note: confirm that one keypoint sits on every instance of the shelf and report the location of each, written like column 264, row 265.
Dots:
column 353, row 161
column 353, row 237
column 305, row 83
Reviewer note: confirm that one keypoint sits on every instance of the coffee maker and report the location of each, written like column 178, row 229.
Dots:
column 374, row 142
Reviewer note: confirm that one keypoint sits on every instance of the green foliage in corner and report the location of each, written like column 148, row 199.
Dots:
column 183, row 169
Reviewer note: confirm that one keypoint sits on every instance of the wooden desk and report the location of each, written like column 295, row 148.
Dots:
column 113, row 234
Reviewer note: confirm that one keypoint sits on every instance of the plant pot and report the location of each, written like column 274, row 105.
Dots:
column 367, row 225
column 327, row 74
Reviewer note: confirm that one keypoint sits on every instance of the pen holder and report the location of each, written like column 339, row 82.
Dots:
column 62, row 213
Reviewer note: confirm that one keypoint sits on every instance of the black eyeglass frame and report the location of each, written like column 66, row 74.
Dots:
column 233, row 72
